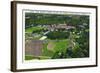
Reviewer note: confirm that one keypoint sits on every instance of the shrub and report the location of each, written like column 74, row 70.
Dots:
column 58, row 35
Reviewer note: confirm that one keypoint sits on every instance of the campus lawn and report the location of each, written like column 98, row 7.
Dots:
column 27, row 57
column 60, row 45
column 34, row 29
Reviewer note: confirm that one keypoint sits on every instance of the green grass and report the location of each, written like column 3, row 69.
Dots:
column 44, row 57
column 45, row 51
column 61, row 45
column 33, row 29
column 29, row 57
column 36, row 57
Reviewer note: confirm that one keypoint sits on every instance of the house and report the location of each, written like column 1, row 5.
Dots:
column 59, row 26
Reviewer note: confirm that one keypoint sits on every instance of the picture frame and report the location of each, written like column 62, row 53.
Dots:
column 35, row 24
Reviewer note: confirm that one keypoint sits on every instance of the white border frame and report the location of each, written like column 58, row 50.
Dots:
column 61, row 62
